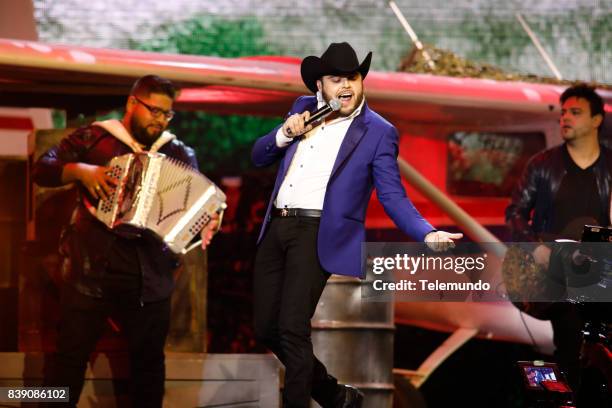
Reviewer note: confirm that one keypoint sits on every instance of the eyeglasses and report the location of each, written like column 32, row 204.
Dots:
column 155, row 111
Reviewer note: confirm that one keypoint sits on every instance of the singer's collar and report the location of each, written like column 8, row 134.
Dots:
column 321, row 102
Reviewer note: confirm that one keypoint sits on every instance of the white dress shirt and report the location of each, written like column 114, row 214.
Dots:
column 306, row 180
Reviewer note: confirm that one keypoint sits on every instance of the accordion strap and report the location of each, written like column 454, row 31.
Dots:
column 116, row 128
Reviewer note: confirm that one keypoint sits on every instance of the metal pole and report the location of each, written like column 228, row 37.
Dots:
column 539, row 47
column 465, row 221
column 415, row 39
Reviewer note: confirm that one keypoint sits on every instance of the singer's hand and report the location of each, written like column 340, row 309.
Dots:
column 441, row 240
column 294, row 125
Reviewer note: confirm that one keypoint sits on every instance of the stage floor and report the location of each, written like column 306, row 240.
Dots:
column 192, row 379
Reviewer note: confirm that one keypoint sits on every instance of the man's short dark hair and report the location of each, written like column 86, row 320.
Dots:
column 587, row 92
column 149, row 84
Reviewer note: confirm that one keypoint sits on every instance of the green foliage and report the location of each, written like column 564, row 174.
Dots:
column 500, row 40
column 223, row 142
column 588, row 35
column 59, row 119
column 212, row 36
column 497, row 41
column 393, row 43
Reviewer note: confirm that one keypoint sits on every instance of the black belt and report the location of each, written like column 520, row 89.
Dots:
column 295, row 212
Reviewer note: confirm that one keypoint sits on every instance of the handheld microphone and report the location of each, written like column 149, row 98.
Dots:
column 333, row 106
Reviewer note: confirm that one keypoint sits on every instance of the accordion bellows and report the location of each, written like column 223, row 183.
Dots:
column 160, row 194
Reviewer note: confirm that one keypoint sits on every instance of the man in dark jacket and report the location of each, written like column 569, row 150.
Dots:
column 544, row 178
column 106, row 274
column 560, row 191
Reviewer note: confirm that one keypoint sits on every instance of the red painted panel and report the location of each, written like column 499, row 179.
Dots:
column 427, row 152
column 16, row 122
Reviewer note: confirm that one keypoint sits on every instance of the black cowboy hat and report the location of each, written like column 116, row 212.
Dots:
column 338, row 59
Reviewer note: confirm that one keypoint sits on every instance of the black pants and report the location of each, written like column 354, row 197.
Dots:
column 288, row 283
column 82, row 322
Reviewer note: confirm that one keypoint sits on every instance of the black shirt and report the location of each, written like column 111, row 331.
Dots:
column 577, row 201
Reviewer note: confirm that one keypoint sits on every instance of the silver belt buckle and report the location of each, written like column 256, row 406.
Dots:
column 284, row 212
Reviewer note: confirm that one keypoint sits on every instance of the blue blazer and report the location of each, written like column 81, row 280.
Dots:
column 367, row 158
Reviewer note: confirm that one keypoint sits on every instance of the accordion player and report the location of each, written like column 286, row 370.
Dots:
column 161, row 195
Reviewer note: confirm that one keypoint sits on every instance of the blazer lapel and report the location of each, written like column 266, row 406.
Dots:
column 352, row 138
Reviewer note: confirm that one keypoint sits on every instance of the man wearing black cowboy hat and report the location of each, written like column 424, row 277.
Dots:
column 314, row 225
